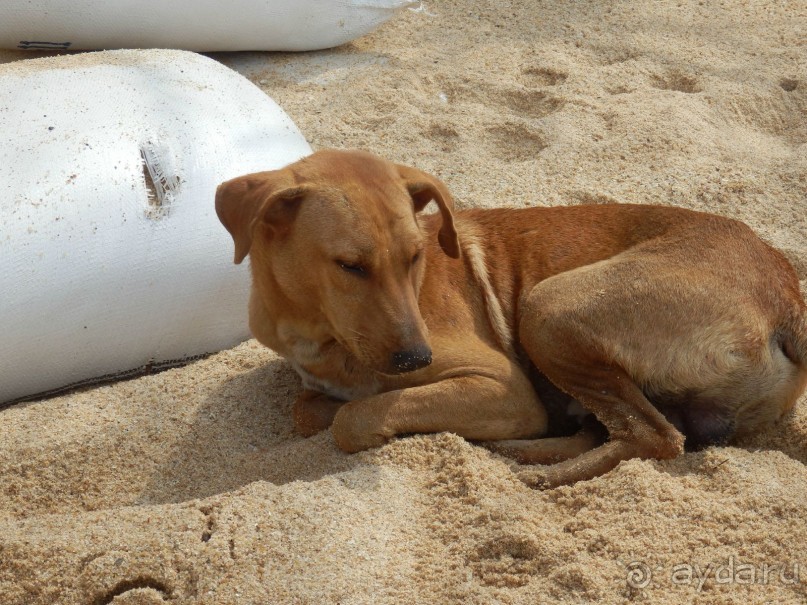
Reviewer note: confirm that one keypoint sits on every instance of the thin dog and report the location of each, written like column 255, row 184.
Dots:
column 664, row 324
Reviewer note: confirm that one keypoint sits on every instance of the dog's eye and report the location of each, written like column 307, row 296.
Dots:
column 351, row 268
column 416, row 258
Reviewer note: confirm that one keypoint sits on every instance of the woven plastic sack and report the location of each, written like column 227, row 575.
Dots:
column 111, row 255
column 203, row 25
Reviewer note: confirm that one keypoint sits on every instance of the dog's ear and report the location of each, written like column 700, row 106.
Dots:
column 244, row 202
column 424, row 188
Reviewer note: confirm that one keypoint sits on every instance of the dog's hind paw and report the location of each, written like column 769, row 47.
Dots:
column 537, row 478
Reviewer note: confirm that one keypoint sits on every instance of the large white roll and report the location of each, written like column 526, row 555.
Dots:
column 111, row 254
column 203, row 25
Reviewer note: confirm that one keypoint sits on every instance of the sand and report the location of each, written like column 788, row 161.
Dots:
column 190, row 486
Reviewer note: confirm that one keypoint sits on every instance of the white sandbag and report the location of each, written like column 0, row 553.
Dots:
column 111, row 254
column 203, row 25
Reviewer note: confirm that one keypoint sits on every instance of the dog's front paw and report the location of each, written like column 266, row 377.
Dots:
column 355, row 430
column 314, row 412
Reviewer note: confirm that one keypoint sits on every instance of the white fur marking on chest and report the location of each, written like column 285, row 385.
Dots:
column 347, row 393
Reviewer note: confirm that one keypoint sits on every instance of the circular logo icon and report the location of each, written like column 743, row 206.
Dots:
column 639, row 575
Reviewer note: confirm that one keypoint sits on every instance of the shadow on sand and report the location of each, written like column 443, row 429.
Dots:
column 243, row 433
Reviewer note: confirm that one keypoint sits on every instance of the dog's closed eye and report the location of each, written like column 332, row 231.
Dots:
column 352, row 268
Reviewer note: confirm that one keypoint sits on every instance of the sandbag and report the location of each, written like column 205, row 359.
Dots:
column 111, row 255
column 202, row 25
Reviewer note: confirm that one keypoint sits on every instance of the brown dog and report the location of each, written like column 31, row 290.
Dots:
column 659, row 321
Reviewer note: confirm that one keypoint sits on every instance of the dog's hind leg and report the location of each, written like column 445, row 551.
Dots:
column 591, row 464
column 636, row 429
column 564, row 326
column 549, row 450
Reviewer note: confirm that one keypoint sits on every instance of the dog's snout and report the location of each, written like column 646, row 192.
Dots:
column 412, row 359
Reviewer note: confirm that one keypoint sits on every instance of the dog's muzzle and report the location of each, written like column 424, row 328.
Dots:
column 411, row 360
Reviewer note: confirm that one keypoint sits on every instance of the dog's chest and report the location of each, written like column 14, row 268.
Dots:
column 331, row 371
column 337, row 390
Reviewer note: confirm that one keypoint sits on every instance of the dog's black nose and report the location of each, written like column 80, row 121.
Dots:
column 413, row 359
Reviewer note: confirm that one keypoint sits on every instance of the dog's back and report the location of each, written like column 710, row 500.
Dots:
column 718, row 329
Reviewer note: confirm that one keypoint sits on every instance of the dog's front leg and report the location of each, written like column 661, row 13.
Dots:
column 314, row 412
column 474, row 406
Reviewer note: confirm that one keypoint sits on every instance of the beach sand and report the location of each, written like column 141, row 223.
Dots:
column 190, row 486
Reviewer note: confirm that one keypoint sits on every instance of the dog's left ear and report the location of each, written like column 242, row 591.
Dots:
column 424, row 188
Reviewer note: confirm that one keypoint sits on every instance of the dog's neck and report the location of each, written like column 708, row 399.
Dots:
column 312, row 352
